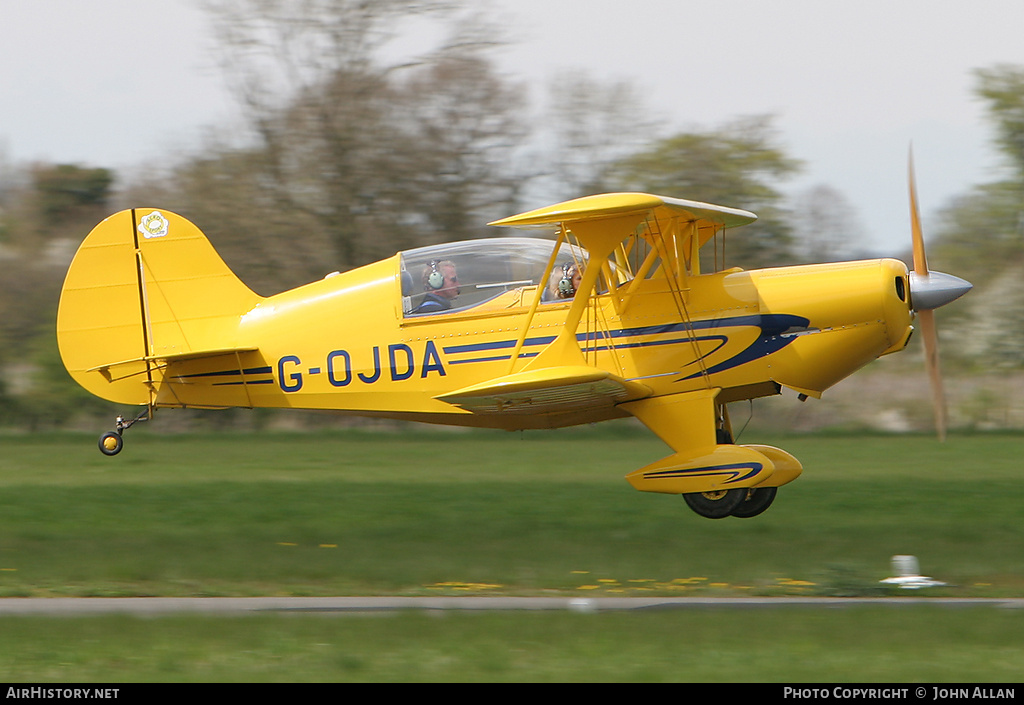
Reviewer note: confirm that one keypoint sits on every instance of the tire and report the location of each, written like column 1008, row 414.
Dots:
column 715, row 505
column 757, row 501
column 111, row 443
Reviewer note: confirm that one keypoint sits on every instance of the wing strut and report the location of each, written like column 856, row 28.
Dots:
column 536, row 299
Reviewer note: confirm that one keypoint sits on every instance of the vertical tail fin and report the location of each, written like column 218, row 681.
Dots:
column 145, row 285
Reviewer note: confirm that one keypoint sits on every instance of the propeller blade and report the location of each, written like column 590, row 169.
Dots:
column 916, row 233
column 929, row 333
column 926, row 316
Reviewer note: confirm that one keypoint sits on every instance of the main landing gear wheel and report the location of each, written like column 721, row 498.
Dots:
column 757, row 500
column 716, row 505
column 111, row 443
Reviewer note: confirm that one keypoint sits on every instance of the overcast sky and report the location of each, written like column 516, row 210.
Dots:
column 122, row 82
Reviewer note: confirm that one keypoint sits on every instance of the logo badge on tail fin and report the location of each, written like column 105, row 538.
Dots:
column 153, row 225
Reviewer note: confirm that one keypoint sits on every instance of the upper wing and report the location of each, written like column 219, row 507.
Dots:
column 708, row 217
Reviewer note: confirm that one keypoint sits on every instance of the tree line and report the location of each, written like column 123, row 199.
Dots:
column 347, row 154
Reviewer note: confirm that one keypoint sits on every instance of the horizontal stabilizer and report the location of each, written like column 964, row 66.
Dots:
column 547, row 390
column 127, row 368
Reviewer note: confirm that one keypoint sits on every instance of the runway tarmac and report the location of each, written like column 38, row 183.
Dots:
column 151, row 606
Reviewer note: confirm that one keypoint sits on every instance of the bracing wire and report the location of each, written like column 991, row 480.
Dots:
column 678, row 298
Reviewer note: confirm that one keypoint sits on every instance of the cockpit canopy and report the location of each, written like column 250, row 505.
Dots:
column 496, row 270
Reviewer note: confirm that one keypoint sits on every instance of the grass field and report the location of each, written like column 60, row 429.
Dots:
column 435, row 513
column 795, row 645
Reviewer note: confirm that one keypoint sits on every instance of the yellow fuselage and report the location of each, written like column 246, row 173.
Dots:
column 343, row 344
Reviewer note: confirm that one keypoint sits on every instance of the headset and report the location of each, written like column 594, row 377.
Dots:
column 435, row 280
column 565, row 285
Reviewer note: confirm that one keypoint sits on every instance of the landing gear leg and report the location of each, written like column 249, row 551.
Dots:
column 720, row 503
column 112, row 442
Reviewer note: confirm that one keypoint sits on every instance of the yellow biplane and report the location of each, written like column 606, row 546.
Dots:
column 615, row 317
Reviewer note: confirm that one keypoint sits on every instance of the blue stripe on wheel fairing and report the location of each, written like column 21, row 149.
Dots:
column 733, row 469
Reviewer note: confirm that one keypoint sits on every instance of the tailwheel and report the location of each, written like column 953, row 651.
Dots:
column 717, row 504
column 111, row 443
column 757, row 500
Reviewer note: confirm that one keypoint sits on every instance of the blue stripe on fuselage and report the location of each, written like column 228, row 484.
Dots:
column 768, row 341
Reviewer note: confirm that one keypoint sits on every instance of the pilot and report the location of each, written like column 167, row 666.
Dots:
column 565, row 281
column 441, row 284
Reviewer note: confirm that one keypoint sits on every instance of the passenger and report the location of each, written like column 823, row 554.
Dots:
column 564, row 282
column 441, row 284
